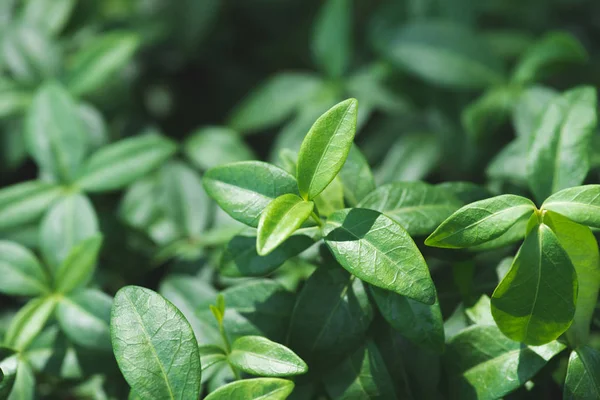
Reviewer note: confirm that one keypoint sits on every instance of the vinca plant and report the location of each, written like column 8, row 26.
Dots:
column 303, row 200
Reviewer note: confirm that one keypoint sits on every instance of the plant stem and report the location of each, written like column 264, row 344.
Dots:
column 317, row 219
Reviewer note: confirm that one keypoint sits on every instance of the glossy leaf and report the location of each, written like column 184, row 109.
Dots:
column 559, row 153
column 379, row 251
column 420, row 323
column 280, row 219
column 332, row 41
column 25, row 202
column 356, row 177
column 481, row 222
column 580, row 204
column 151, row 338
column 29, row 322
column 535, row 302
column 78, row 267
column 244, row 189
column 212, row 146
column 84, row 317
column 241, row 258
column 22, row 274
column 417, row 206
column 325, row 148
column 54, row 132
column 122, row 163
column 330, row 318
column 259, row 356
column 99, row 60
column 68, row 223
column 254, row 389
column 583, row 375
column 363, row 375
column 485, row 364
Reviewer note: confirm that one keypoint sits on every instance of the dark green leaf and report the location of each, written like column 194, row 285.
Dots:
column 332, row 41
column 583, row 375
column 22, row 274
column 486, row 114
column 8, row 364
column 259, row 356
column 254, row 389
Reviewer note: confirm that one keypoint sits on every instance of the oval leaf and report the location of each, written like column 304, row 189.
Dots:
column 78, row 267
column 22, row 274
column 254, row 389
column 25, row 202
column 583, row 375
column 257, row 355
column 29, row 322
column 580, row 204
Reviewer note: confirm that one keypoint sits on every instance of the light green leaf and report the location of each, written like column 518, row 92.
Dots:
column 99, row 60
column 54, row 132
column 78, row 268
column 24, row 385
column 580, row 204
column 9, row 363
column 244, row 189
column 363, row 375
column 559, row 153
column 52, row 15
column 356, row 177
column 124, row 162
column 214, row 145
column 443, row 53
column 529, row 109
column 581, row 246
column 420, row 323
column 325, row 148
column 184, row 199
column 330, row 319
column 140, row 207
column 510, row 163
column 535, row 302
column 84, row 317
column 254, row 389
column 14, row 99
column 29, row 322
column 583, row 375
column 480, row 313
column 379, row 251
column 259, row 356
column 274, row 101
column 481, row 222
column 94, row 125
column 417, row 206
column 154, row 346
column 282, row 217
column 331, row 198
column 22, row 274
column 212, row 359
column 69, row 221
column 332, row 37
column 554, row 50
column 25, row 202
column 240, row 257
column 484, row 364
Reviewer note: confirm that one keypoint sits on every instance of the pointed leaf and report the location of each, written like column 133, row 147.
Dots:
column 356, row 176
column 29, row 322
column 583, row 375
column 78, row 267
column 379, row 251
column 259, row 356
column 580, row 204
column 25, row 202
column 254, row 389
column 332, row 41
column 22, row 274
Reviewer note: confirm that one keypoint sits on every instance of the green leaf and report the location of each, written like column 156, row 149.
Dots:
column 484, row 364
column 212, row 359
column 559, row 153
column 581, row 246
column 535, row 302
column 29, row 322
column 332, row 37
column 356, row 177
column 363, row 375
column 14, row 99
column 52, row 15
column 22, row 274
column 379, row 251
column 510, row 163
column 84, row 317
column 54, row 132
column 554, row 50
column 99, row 60
column 529, row 108
column 254, row 389
column 78, row 268
column 325, row 148
column 9, row 363
column 70, row 221
column 25, row 202
column 331, row 198
column 184, row 199
column 580, row 204
column 240, row 257
column 24, row 384
column 259, row 356
column 486, row 114
column 274, row 101
column 443, row 53
column 124, row 162
column 330, row 318
column 282, row 217
column 244, row 189
column 214, row 145
column 420, row 323
column 481, row 222
column 583, row 375
column 417, row 206
column 154, row 345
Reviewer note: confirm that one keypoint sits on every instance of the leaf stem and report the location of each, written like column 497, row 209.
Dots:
column 317, row 219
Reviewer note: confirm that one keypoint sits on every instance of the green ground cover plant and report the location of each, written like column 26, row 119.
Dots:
column 304, row 200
